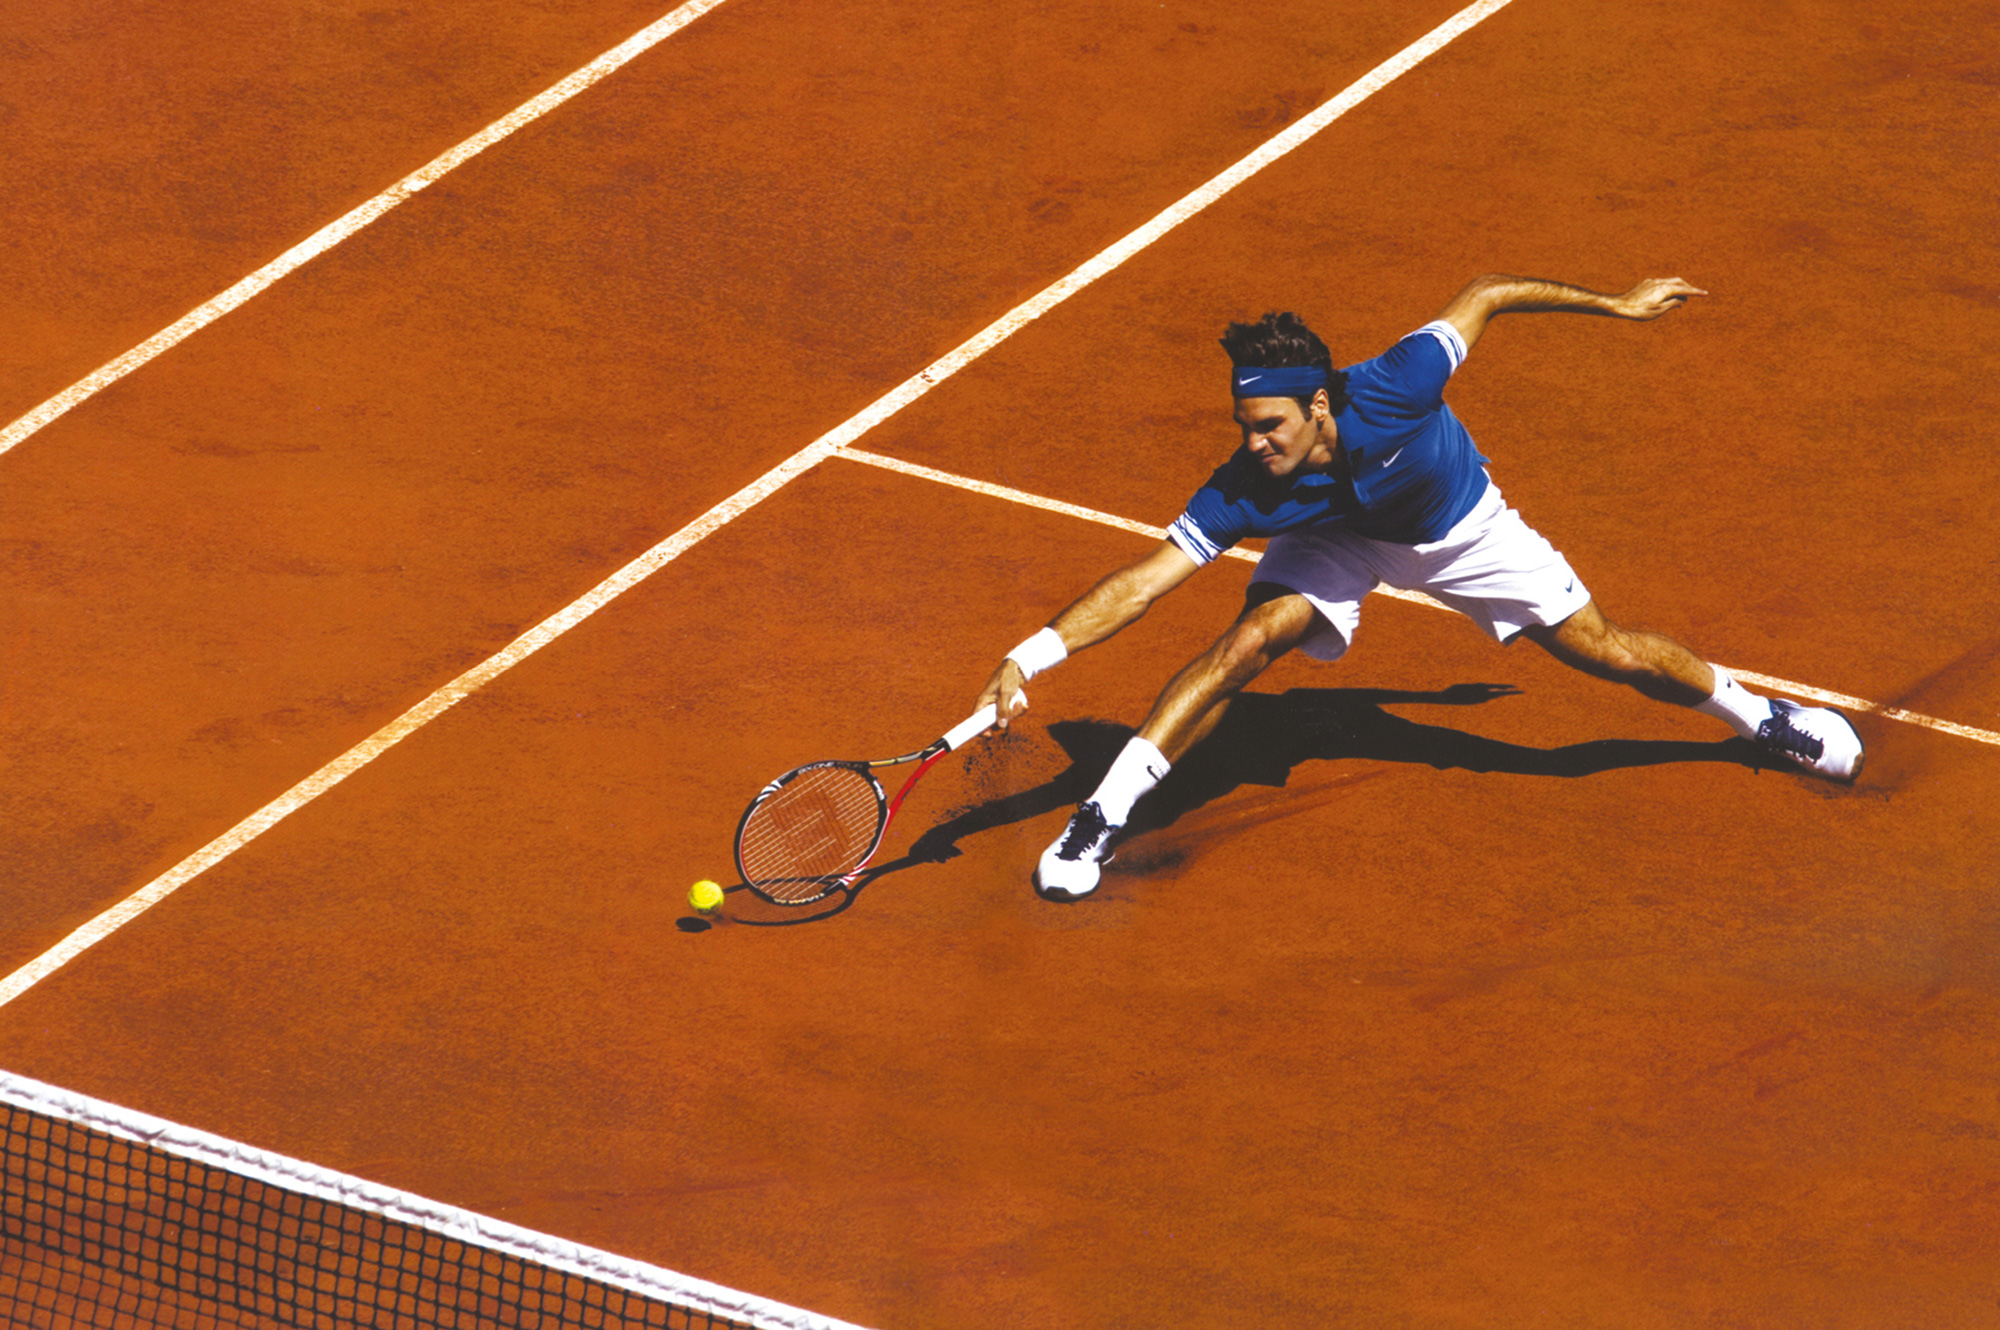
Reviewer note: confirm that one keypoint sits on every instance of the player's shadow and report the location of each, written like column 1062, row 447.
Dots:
column 1265, row 735
column 1260, row 740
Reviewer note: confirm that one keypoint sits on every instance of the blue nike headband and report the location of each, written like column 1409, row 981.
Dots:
column 1295, row 381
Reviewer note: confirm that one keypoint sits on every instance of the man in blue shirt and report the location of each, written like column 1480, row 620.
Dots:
column 1359, row 478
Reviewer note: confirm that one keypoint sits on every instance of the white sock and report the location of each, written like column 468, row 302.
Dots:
column 1743, row 709
column 1138, row 768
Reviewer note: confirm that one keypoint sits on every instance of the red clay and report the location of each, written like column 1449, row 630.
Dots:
column 1433, row 1006
column 300, row 522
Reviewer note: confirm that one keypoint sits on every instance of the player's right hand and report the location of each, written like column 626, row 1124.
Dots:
column 1005, row 683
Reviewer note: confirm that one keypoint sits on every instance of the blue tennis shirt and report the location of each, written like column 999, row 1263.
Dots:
column 1412, row 470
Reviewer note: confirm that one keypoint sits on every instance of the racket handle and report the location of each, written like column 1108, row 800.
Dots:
column 976, row 724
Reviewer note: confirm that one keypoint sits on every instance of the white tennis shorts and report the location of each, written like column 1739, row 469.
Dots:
column 1492, row 567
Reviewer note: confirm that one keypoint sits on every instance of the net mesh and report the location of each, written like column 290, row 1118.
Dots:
column 102, row 1231
column 811, row 831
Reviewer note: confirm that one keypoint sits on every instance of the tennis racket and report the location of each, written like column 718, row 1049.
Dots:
column 814, row 829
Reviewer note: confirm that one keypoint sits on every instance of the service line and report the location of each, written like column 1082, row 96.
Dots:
column 1785, row 686
column 333, row 233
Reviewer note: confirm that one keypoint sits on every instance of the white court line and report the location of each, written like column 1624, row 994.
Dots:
column 1812, row 694
column 1786, row 686
column 332, row 234
column 422, row 714
column 111, row 920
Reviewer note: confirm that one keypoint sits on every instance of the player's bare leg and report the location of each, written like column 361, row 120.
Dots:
column 1817, row 738
column 1188, row 708
column 1194, row 700
column 1656, row 665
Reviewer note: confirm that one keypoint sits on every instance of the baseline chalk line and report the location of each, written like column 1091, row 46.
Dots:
column 111, row 920
column 335, row 232
column 1010, row 495
column 1812, row 694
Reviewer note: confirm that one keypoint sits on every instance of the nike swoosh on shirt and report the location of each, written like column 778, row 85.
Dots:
column 1390, row 460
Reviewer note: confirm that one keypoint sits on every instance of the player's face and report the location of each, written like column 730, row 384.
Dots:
column 1285, row 439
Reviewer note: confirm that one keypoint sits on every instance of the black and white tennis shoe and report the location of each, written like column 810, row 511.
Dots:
column 1819, row 739
column 1069, row 868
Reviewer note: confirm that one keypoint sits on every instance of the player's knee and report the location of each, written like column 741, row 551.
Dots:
column 1596, row 645
column 1617, row 653
column 1246, row 648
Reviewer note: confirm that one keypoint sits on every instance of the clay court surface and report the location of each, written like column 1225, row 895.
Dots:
column 1445, row 988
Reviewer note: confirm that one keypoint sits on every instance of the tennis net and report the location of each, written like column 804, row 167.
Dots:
column 115, row 1218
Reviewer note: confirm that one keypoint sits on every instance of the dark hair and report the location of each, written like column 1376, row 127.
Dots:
column 1282, row 341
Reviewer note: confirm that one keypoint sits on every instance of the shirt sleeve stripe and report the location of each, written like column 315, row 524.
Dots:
column 1192, row 541
column 1454, row 345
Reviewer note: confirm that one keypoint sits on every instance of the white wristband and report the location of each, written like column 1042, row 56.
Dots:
column 1039, row 652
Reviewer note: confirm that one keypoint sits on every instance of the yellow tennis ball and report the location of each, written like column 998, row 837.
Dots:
column 705, row 895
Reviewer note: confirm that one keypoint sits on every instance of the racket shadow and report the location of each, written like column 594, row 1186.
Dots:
column 749, row 912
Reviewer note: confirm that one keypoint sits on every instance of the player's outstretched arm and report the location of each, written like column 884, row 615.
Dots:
column 1496, row 293
column 1100, row 612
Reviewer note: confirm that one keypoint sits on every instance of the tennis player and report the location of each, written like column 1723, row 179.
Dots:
column 1363, row 477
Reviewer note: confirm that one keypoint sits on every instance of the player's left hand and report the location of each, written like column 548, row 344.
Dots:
column 1656, row 296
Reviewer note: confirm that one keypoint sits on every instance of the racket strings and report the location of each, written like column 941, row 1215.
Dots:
column 815, row 828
